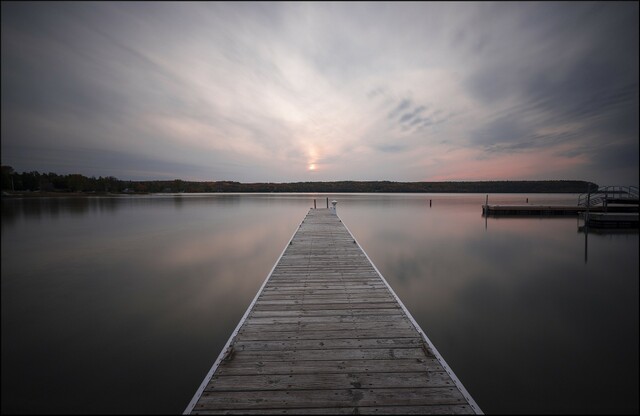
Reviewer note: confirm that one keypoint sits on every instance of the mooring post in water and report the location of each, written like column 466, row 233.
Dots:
column 314, row 204
column 429, row 203
column 586, row 214
column 327, row 202
column 586, row 242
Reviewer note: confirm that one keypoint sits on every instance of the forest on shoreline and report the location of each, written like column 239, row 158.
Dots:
column 77, row 183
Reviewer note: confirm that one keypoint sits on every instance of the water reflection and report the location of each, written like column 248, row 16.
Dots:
column 139, row 294
column 513, row 308
column 139, row 303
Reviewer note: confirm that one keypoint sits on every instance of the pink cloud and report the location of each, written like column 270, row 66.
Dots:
column 467, row 164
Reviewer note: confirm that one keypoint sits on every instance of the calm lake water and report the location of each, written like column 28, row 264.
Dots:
column 121, row 305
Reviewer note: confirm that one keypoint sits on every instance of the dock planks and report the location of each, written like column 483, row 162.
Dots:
column 326, row 334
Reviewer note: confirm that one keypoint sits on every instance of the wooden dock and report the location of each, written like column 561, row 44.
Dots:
column 326, row 334
column 612, row 220
column 549, row 210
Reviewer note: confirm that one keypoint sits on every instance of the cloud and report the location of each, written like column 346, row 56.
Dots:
column 258, row 92
column 404, row 104
column 408, row 116
column 391, row 148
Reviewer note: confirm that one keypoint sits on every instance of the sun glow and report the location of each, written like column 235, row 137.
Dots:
column 312, row 166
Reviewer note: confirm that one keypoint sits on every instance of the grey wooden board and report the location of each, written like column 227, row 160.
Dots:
column 330, row 398
column 240, row 367
column 280, row 288
column 325, row 312
column 327, row 326
column 359, row 297
column 326, row 336
column 389, row 410
column 257, row 335
column 323, row 306
column 328, row 319
column 330, row 381
column 325, row 344
column 332, row 354
column 326, row 301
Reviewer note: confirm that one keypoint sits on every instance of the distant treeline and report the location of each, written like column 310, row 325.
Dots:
column 51, row 182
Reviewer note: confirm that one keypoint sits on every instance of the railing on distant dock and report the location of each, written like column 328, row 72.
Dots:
column 609, row 194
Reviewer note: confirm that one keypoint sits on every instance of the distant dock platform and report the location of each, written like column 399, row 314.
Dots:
column 551, row 210
column 606, row 199
column 326, row 334
column 611, row 220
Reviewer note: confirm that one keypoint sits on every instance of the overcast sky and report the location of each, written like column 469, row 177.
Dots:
column 280, row 92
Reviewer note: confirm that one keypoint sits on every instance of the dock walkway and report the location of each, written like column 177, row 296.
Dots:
column 326, row 334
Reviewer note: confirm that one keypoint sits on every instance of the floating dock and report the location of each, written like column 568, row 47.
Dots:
column 611, row 220
column 326, row 334
column 550, row 210
column 606, row 199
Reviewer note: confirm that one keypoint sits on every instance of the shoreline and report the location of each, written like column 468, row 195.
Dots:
column 38, row 194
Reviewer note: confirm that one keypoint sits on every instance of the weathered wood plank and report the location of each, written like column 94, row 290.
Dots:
column 366, row 297
column 325, row 312
column 326, row 344
column 329, row 381
column 323, row 288
column 388, row 410
column 310, row 281
column 323, row 306
column 397, row 365
column 328, row 326
column 331, row 398
column 388, row 299
column 417, row 410
column 301, row 286
column 327, row 319
column 258, row 335
column 331, row 354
